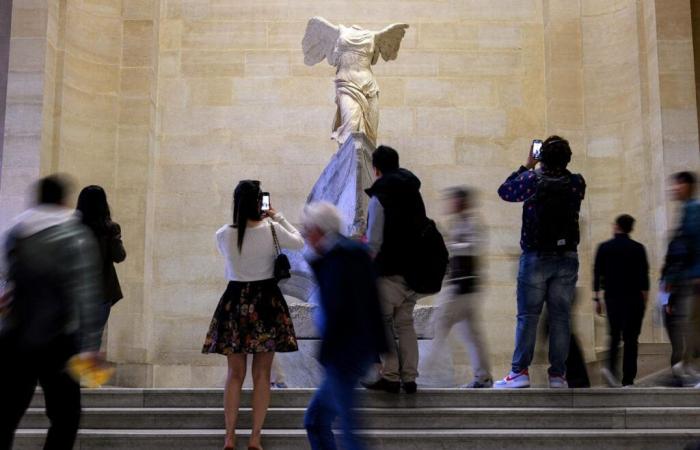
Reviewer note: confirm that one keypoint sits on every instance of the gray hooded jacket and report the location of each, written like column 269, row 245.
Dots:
column 53, row 265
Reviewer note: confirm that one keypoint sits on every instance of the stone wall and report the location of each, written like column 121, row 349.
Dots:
column 168, row 103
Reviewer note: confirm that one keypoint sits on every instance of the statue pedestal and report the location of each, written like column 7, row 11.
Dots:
column 342, row 183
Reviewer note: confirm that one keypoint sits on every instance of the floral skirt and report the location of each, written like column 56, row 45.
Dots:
column 252, row 317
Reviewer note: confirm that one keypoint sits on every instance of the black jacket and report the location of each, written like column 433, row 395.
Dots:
column 352, row 333
column 621, row 267
column 404, row 216
column 112, row 251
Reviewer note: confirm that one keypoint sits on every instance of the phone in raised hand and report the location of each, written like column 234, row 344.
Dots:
column 536, row 149
column 265, row 202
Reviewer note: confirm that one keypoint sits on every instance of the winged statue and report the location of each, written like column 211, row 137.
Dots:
column 352, row 51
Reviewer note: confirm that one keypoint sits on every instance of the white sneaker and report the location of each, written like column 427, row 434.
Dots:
column 687, row 375
column 610, row 378
column 514, row 381
column 558, row 382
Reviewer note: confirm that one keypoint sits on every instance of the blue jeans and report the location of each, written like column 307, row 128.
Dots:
column 549, row 278
column 334, row 398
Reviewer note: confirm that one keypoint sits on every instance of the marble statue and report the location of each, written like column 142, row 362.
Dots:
column 352, row 51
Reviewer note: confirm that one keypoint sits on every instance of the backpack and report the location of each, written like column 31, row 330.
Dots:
column 429, row 266
column 557, row 215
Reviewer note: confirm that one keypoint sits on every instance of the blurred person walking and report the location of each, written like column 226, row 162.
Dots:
column 96, row 215
column 54, row 313
column 681, row 276
column 350, row 323
column 252, row 316
column 549, row 263
column 622, row 271
column 459, row 301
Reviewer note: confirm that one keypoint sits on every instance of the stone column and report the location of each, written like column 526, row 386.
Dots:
column 23, row 116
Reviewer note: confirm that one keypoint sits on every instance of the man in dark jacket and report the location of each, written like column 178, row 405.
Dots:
column 53, row 314
column 622, row 271
column 396, row 214
column 548, row 272
column 352, row 334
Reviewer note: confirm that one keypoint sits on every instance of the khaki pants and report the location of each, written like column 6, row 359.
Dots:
column 461, row 311
column 398, row 301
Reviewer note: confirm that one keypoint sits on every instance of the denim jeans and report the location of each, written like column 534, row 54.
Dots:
column 334, row 398
column 545, row 278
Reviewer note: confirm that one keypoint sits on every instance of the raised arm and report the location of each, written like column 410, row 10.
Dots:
column 519, row 186
column 288, row 236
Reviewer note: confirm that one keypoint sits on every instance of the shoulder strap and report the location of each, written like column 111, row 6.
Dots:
column 274, row 238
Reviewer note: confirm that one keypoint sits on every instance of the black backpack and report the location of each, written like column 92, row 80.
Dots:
column 557, row 214
column 429, row 264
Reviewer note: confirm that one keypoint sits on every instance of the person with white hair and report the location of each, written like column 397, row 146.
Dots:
column 350, row 324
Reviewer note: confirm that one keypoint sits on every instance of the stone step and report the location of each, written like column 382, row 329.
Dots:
column 522, row 439
column 390, row 418
column 426, row 398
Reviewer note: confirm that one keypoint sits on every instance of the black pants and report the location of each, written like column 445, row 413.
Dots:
column 19, row 376
column 625, row 315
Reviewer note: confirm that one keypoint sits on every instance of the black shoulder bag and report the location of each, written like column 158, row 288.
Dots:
column 282, row 266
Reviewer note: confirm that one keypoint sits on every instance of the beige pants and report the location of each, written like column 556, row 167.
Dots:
column 461, row 311
column 398, row 301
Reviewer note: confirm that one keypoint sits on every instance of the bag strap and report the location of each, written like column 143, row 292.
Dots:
column 274, row 238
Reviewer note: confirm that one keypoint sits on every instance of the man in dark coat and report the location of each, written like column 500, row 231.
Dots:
column 622, row 271
column 396, row 216
column 352, row 333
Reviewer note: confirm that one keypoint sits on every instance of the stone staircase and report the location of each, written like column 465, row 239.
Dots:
column 648, row 418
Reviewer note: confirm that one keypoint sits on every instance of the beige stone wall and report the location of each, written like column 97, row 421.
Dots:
column 168, row 103
column 23, row 117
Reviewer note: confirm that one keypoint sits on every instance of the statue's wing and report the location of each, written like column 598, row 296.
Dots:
column 388, row 41
column 319, row 41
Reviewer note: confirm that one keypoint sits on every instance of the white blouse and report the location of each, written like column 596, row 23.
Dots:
column 256, row 260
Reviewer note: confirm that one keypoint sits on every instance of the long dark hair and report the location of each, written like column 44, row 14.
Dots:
column 246, row 206
column 92, row 204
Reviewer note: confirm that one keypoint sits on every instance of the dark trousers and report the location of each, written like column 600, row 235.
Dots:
column 625, row 315
column 334, row 398
column 19, row 377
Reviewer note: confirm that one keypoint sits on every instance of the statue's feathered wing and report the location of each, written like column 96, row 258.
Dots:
column 319, row 41
column 388, row 41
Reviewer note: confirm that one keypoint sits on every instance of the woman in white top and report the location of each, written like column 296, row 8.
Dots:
column 252, row 316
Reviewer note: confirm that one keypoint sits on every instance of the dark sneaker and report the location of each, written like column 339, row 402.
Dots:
column 479, row 384
column 383, row 384
column 410, row 387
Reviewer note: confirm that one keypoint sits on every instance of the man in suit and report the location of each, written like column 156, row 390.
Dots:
column 350, row 324
column 622, row 271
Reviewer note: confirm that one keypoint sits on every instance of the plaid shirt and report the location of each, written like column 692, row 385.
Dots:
column 521, row 186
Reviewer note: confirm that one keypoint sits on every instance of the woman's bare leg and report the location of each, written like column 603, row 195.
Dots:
column 232, row 395
column 262, row 364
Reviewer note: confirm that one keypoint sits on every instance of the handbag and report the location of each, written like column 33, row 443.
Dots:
column 282, row 266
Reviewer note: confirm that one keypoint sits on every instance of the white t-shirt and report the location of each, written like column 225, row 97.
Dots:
column 256, row 260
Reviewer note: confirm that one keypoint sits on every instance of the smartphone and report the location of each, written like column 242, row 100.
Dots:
column 265, row 201
column 536, row 148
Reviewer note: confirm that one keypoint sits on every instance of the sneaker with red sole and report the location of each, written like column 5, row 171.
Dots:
column 514, row 380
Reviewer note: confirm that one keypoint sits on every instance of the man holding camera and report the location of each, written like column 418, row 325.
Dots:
column 549, row 264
